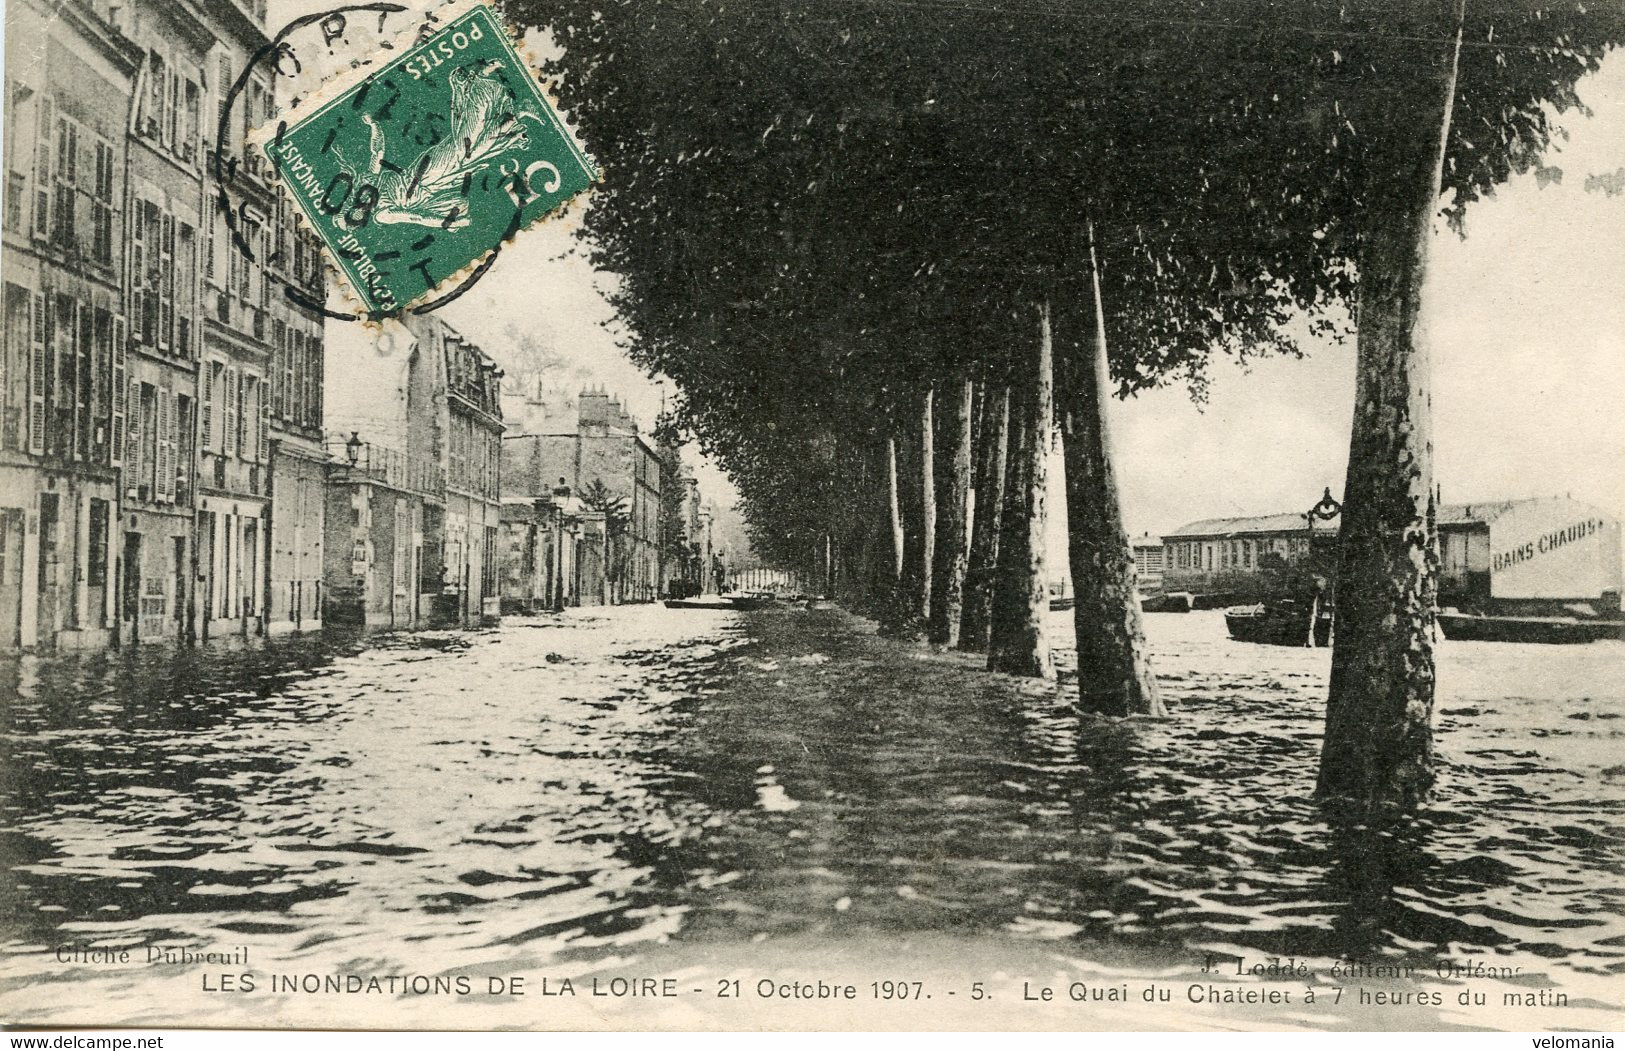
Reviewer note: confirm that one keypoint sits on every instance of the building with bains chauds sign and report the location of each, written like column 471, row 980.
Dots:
column 1541, row 555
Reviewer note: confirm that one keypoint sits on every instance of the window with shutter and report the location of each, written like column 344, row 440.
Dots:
column 166, row 280
column 132, row 439
column 315, row 373
column 172, row 111
column 240, row 418
column 172, row 431
column 64, row 174
column 163, row 449
column 290, row 393
column 186, row 291
column 138, row 272
column 211, row 376
column 83, row 344
column 37, row 364
column 42, row 167
column 279, row 349
column 248, row 441
column 265, row 426
column 193, row 120
column 222, row 89
column 210, row 213
column 152, row 119
column 233, row 263
column 228, row 417
column 102, row 205
column 119, row 391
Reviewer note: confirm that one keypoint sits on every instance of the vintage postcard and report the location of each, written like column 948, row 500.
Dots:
column 1038, row 516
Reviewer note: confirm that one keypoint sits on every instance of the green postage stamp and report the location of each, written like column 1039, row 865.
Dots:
column 418, row 169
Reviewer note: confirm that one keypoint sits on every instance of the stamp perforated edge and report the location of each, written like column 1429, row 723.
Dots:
column 338, row 85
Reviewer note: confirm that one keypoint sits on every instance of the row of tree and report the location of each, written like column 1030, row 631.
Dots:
column 885, row 249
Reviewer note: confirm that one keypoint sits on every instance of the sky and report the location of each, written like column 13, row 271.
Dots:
column 1527, row 316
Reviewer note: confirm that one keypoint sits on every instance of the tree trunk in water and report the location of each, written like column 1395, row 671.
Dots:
column 928, row 506
column 1378, row 749
column 829, row 563
column 949, row 596
column 984, row 549
column 903, row 614
column 1114, row 675
column 896, row 509
column 1018, row 644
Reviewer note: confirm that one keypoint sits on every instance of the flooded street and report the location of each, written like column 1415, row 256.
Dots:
column 673, row 787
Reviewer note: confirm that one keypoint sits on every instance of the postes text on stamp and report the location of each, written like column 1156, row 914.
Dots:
column 427, row 164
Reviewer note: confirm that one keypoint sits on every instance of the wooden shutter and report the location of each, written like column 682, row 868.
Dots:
column 120, row 393
column 36, row 375
column 228, row 415
column 132, row 438
column 265, row 425
column 163, row 466
column 138, row 270
column 42, row 167
column 207, row 378
column 77, row 347
column 164, row 252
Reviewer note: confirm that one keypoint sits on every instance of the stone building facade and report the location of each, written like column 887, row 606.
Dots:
column 414, row 507
column 144, row 341
column 589, row 444
column 70, row 77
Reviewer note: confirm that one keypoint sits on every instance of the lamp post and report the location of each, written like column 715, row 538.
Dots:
column 352, row 448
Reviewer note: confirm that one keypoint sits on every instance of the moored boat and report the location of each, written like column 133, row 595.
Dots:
column 701, row 602
column 1282, row 623
column 1478, row 627
column 1168, row 602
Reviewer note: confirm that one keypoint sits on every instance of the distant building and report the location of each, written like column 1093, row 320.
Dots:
column 413, row 500
column 1533, row 555
column 592, row 446
column 1246, row 558
column 1148, row 560
column 473, row 473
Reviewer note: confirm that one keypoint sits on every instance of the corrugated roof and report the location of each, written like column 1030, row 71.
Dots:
column 1448, row 514
column 1281, row 523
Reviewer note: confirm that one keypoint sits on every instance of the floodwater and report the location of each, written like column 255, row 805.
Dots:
column 670, row 789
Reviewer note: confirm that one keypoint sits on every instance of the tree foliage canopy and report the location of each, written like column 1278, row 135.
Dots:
column 816, row 210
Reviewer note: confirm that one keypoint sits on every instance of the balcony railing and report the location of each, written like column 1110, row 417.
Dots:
column 413, row 474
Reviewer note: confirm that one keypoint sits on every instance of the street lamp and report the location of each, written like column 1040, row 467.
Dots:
column 352, row 448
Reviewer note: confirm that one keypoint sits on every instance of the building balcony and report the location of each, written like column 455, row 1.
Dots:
column 357, row 460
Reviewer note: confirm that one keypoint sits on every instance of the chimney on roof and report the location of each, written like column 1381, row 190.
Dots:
column 593, row 409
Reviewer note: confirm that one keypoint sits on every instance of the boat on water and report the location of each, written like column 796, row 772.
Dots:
column 1168, row 602
column 1479, row 627
column 1282, row 623
column 1063, row 602
column 749, row 600
column 700, row 602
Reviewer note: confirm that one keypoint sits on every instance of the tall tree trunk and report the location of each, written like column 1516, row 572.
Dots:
column 896, row 504
column 902, row 617
column 953, row 512
column 928, row 505
column 830, row 576
column 1018, row 644
column 1114, row 675
column 1378, row 748
column 984, row 549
